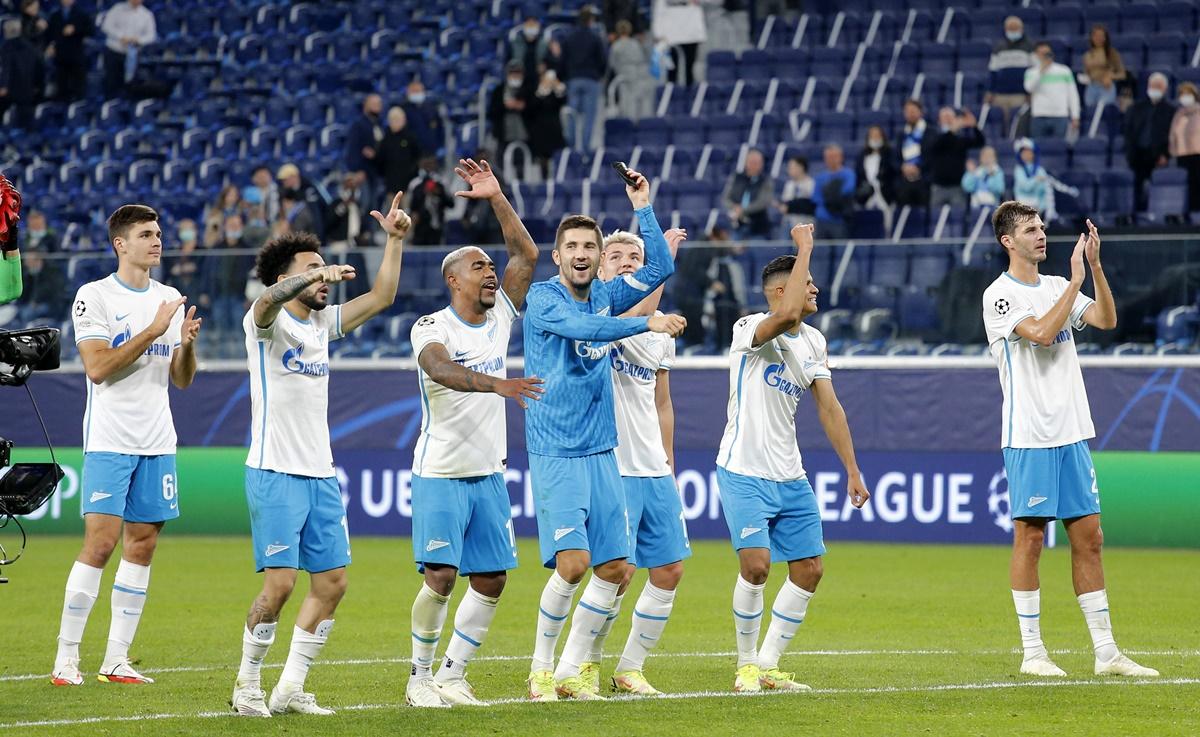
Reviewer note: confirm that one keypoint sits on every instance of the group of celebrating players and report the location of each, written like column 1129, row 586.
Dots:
column 599, row 429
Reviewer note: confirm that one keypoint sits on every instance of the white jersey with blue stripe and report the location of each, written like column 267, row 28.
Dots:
column 289, row 392
column 463, row 434
column 1045, row 403
column 128, row 412
column 765, row 384
column 636, row 362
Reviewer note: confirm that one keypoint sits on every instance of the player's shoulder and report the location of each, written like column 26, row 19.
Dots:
column 166, row 291
column 542, row 290
column 750, row 320
column 812, row 333
column 432, row 321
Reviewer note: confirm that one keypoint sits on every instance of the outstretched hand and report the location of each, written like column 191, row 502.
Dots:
column 397, row 222
column 639, row 193
column 481, row 182
column 675, row 237
column 521, row 388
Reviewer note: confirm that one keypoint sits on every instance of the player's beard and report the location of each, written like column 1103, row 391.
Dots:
column 313, row 301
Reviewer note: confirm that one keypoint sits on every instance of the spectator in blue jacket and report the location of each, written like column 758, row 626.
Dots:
column 984, row 182
column 362, row 144
column 1011, row 56
column 912, row 187
column 833, row 195
column 583, row 66
column 424, row 118
column 1031, row 181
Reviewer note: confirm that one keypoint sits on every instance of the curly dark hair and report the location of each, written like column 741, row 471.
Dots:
column 778, row 265
column 276, row 255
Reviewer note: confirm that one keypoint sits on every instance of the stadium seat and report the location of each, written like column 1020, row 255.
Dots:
column 1168, row 193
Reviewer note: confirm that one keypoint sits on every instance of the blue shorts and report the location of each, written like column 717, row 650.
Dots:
column 1051, row 483
column 297, row 521
column 656, row 521
column 780, row 515
column 465, row 523
column 134, row 488
column 580, row 506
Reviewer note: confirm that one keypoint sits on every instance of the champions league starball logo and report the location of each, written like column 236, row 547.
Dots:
column 998, row 503
column 1002, row 306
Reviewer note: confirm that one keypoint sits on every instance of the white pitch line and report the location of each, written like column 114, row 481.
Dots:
column 729, row 654
column 935, row 688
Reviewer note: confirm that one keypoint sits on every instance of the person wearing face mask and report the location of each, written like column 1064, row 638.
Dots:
column 1053, row 97
column 187, row 270
column 39, row 236
column 543, row 120
column 229, row 275
column 877, row 172
column 506, row 111
column 1185, row 141
column 424, row 117
column 1011, row 56
column 528, row 45
column 984, row 181
column 1147, row 127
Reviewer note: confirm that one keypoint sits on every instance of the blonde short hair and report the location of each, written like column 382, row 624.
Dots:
column 625, row 237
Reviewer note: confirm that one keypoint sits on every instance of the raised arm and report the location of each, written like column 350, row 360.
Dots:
column 833, row 419
column 100, row 361
column 794, row 291
column 522, row 251
column 183, row 361
column 550, row 312
column 1103, row 313
column 269, row 303
column 435, row 361
column 633, row 288
column 649, row 305
column 387, row 279
column 666, row 414
column 1042, row 330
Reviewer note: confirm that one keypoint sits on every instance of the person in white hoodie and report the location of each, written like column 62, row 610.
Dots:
column 1053, row 97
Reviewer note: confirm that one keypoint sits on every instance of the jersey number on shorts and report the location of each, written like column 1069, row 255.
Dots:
column 1095, row 489
column 687, row 543
column 168, row 484
column 512, row 535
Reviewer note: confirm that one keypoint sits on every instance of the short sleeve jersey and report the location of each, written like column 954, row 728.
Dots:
column 463, row 434
column 289, row 392
column 765, row 384
column 128, row 412
column 1045, row 403
column 636, row 362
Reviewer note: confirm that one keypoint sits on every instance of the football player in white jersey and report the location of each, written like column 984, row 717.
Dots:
column 769, row 505
column 462, row 516
column 1046, row 422
column 646, row 459
column 133, row 338
column 297, row 518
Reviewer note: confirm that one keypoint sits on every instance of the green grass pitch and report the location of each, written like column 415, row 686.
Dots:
column 900, row 640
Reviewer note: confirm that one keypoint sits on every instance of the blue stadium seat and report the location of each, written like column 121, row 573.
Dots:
column 1168, row 193
column 1064, row 19
column 1115, row 194
column 1177, row 15
column 1138, row 18
column 721, row 66
column 688, row 132
column 916, row 310
column 1167, row 50
column 1090, row 154
column 1085, row 182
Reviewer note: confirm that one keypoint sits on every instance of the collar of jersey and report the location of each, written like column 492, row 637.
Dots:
column 464, row 322
column 117, row 279
column 1037, row 283
column 289, row 314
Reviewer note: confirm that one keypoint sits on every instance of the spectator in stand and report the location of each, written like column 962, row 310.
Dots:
column 22, row 75
column 507, row 109
column 1147, row 129
column 399, row 152
column 298, row 213
column 361, row 156
column 583, row 66
column 428, row 202
column 1102, row 69
column 227, row 203
column 834, row 195
column 876, row 174
column 530, row 46
column 945, row 156
column 984, row 182
column 344, row 221
column 1053, row 98
column 33, row 26
column 543, row 120
column 630, row 63
column 1184, row 143
column 616, row 11
column 911, row 187
column 312, row 194
column 478, row 220
column 747, row 197
column 680, row 23
column 266, row 192
column 69, row 27
column 1006, row 69
column 45, row 295
column 128, row 26
column 188, row 271
column 424, row 117
column 796, row 202
column 230, row 273
column 1031, row 181
column 39, row 236
column 709, row 287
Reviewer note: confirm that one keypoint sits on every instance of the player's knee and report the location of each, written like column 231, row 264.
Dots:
column 332, row 587
column 491, row 584
column 667, row 577
column 810, row 571
column 1090, row 544
column 756, row 570
column 630, row 569
column 572, row 565
column 440, row 579
column 1030, row 538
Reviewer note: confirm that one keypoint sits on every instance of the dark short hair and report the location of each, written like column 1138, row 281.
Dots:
column 276, row 255
column 801, row 160
column 777, row 265
column 577, row 221
column 127, row 216
column 1007, row 215
column 915, row 101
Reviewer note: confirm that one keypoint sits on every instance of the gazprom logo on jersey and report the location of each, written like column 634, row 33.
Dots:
column 1062, row 337
column 292, row 362
column 773, row 376
column 585, row 349
column 490, row 366
column 161, row 350
column 621, row 366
